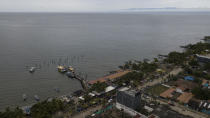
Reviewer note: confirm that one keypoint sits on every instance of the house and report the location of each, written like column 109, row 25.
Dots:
column 207, row 39
column 205, row 107
column 203, row 58
column 187, row 85
column 206, row 83
column 180, row 90
column 202, row 106
column 185, row 97
column 149, row 109
column 109, row 88
column 167, row 93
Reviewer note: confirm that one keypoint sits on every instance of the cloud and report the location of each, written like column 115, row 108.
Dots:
column 95, row 5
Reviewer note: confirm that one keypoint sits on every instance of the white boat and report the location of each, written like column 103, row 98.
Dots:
column 24, row 97
column 32, row 69
column 36, row 97
column 57, row 90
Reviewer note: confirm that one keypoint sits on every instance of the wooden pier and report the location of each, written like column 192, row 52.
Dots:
column 82, row 81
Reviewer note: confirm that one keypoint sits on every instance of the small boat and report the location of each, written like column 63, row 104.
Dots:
column 24, row 97
column 61, row 69
column 57, row 90
column 70, row 74
column 32, row 69
column 36, row 97
column 70, row 68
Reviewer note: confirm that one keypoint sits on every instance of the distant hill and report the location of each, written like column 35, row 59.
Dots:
column 167, row 9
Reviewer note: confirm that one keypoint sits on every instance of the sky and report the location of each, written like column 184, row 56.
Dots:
column 94, row 5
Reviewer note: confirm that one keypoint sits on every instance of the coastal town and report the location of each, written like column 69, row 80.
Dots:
column 176, row 85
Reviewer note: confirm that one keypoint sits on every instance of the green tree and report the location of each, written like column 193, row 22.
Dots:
column 200, row 93
column 176, row 58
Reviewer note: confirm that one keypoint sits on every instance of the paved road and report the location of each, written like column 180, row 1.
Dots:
column 183, row 110
column 156, row 81
column 87, row 112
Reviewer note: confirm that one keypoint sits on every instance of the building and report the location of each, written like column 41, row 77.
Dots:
column 207, row 39
column 167, row 93
column 185, row 97
column 130, row 98
column 200, row 105
column 203, row 58
column 129, row 101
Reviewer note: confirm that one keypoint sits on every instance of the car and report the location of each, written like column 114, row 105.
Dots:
column 93, row 115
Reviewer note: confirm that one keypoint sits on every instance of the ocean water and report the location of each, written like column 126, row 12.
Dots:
column 93, row 43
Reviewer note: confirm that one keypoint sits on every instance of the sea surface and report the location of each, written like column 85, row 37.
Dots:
column 93, row 43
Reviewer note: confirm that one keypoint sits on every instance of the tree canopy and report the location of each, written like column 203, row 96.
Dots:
column 16, row 113
column 200, row 93
column 46, row 109
column 176, row 58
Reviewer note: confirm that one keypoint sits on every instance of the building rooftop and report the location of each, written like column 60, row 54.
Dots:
column 185, row 97
column 167, row 93
column 183, row 84
column 123, row 89
column 204, row 55
column 109, row 88
column 132, row 93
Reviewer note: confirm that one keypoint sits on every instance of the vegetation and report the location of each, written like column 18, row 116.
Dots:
column 206, row 38
column 46, row 109
column 16, row 113
column 157, row 90
column 134, row 77
column 193, row 62
column 140, row 66
column 176, row 58
column 98, row 87
column 207, row 66
column 197, row 48
column 200, row 93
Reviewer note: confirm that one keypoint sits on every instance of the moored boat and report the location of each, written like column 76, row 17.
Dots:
column 70, row 68
column 24, row 97
column 57, row 90
column 32, row 69
column 36, row 97
column 70, row 74
column 61, row 69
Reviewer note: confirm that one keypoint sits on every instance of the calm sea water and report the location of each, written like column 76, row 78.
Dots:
column 92, row 43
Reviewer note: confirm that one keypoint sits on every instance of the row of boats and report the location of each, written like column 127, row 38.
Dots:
column 36, row 97
column 69, row 71
column 60, row 68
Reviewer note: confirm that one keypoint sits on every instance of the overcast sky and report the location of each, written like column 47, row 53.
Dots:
column 95, row 5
